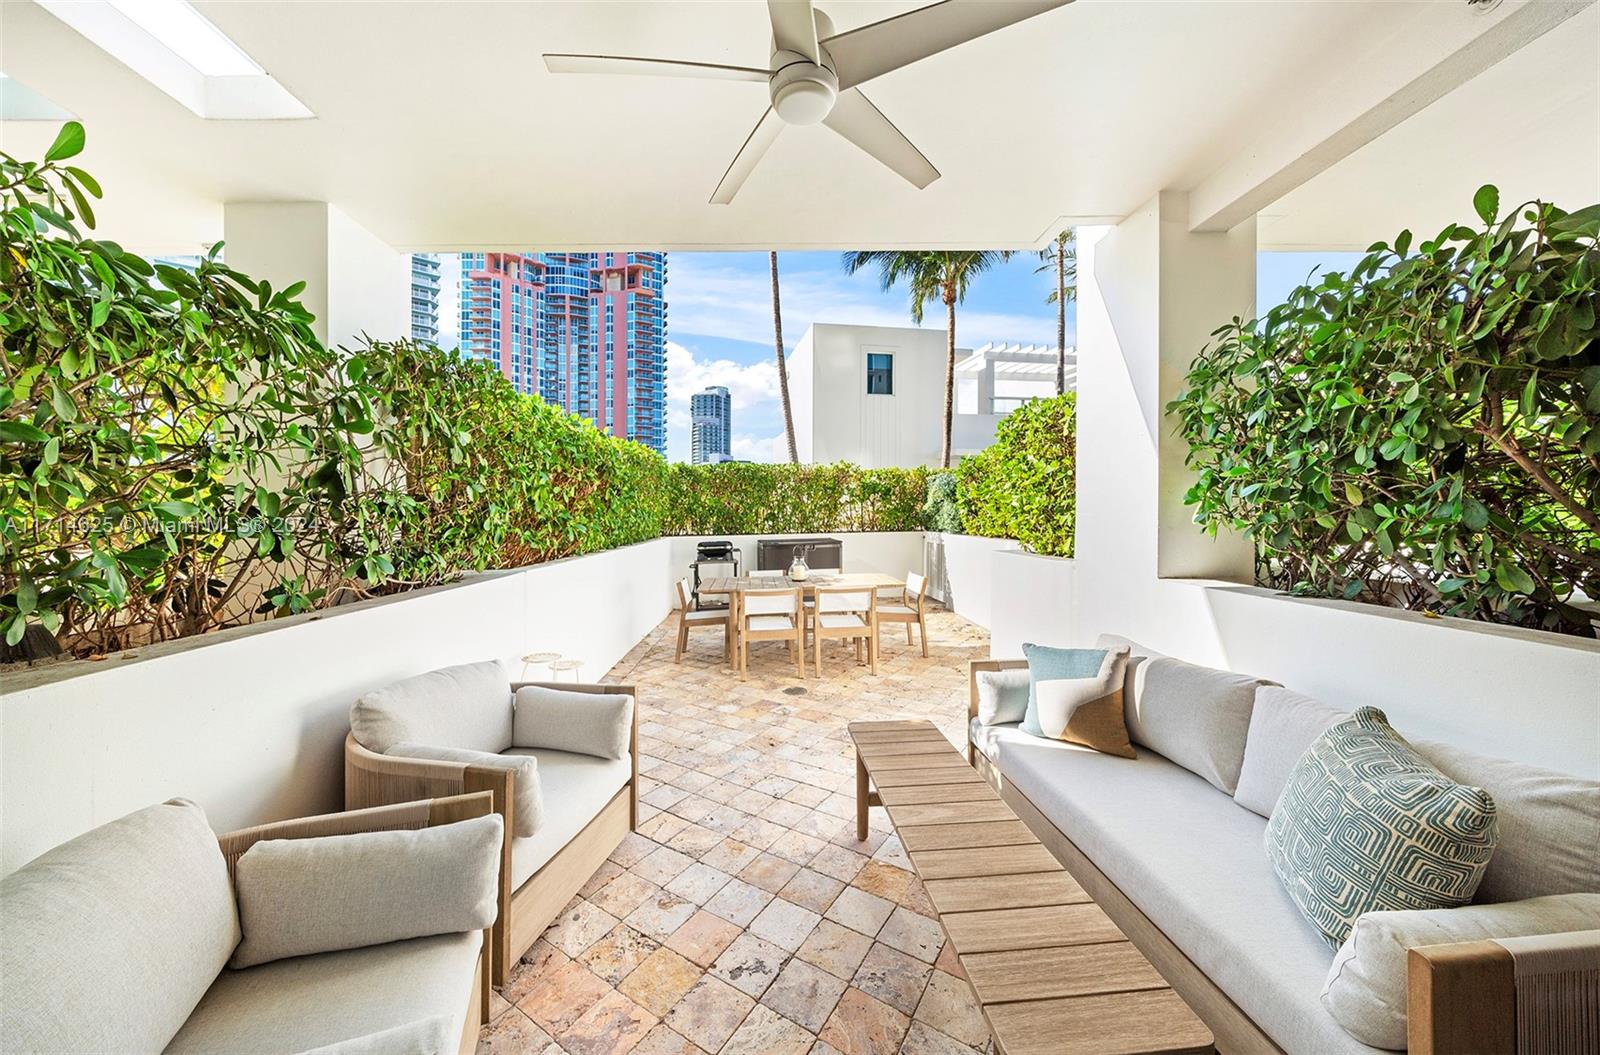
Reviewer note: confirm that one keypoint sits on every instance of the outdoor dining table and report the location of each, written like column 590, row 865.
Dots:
column 733, row 588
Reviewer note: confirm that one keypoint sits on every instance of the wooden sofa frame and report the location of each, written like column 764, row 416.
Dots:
column 427, row 813
column 1460, row 998
column 373, row 779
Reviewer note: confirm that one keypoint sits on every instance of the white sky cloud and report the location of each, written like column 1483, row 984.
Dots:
column 753, row 388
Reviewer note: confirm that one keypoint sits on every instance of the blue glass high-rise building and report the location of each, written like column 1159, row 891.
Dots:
column 585, row 331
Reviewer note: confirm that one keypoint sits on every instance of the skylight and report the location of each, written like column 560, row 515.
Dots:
column 179, row 50
column 190, row 36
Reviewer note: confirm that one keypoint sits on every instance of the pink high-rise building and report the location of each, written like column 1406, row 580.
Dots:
column 585, row 331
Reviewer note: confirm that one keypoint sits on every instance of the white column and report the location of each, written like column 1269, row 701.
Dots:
column 355, row 282
column 1150, row 292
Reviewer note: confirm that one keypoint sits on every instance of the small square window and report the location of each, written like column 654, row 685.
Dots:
column 880, row 374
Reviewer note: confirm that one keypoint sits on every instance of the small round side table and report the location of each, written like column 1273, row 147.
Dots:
column 539, row 659
column 561, row 666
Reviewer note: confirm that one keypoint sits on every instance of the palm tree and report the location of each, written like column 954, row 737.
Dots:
column 1061, row 256
column 930, row 276
column 783, row 367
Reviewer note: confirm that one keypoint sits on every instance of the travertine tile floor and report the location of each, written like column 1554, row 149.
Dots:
column 743, row 918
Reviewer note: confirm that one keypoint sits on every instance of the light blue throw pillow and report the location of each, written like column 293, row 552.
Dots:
column 1366, row 824
column 1046, row 663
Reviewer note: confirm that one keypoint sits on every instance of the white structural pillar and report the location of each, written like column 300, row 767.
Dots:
column 355, row 282
column 1150, row 292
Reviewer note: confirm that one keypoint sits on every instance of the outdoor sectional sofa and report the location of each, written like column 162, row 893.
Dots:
column 1169, row 849
column 565, row 752
column 345, row 934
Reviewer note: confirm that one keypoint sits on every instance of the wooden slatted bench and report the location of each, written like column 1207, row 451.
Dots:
column 1051, row 971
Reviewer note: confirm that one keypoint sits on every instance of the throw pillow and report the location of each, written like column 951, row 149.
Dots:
column 1366, row 988
column 1075, row 694
column 464, row 706
column 1195, row 716
column 585, row 723
column 527, row 810
column 300, row 896
column 1002, row 696
column 1366, row 823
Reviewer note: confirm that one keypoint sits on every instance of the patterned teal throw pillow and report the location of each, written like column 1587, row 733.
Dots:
column 1366, row 824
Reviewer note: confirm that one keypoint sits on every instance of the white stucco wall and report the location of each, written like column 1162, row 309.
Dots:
column 250, row 723
column 960, row 572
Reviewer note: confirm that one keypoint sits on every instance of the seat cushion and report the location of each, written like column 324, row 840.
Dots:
column 1549, row 824
column 576, row 788
column 309, row 1002
column 1283, row 724
column 1191, row 860
column 706, row 616
column 1366, row 823
column 837, row 621
column 304, row 896
column 898, row 611
column 109, row 941
column 761, row 623
column 466, row 706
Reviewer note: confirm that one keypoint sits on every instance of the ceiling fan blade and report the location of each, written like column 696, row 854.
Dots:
column 794, row 27
column 856, row 119
column 876, row 49
column 629, row 66
column 744, row 162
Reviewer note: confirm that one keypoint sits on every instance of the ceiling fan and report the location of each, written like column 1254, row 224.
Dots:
column 815, row 74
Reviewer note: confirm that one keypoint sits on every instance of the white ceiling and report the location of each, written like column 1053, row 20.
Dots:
column 438, row 127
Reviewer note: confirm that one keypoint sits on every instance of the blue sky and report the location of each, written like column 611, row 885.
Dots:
column 720, row 322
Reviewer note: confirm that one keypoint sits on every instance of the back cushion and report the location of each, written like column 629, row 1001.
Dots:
column 467, row 706
column 1283, row 724
column 322, row 894
column 586, row 723
column 1549, row 824
column 110, row 940
column 1196, row 716
column 527, row 808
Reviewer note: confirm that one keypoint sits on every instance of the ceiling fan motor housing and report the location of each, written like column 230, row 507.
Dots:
column 802, row 92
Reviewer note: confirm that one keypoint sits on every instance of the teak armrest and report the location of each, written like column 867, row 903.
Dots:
column 973, row 667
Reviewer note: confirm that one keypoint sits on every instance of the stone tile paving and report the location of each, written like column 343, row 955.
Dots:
column 743, row 917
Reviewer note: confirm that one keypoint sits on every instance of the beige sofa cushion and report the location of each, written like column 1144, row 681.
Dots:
column 422, row 1036
column 466, row 706
column 528, row 803
column 108, row 941
column 307, row 1002
column 1549, row 824
column 302, row 896
column 1283, row 724
column 577, row 787
column 1366, row 987
column 588, row 723
column 1002, row 695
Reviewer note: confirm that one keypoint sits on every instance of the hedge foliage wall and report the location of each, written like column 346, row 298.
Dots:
column 1024, row 486
column 1423, row 431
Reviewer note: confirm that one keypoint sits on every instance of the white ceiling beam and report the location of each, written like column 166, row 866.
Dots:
column 1447, row 46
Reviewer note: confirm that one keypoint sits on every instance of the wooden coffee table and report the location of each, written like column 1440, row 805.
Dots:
column 1051, row 971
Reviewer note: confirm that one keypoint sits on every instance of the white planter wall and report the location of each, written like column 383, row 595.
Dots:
column 960, row 572
column 251, row 723
column 1027, row 601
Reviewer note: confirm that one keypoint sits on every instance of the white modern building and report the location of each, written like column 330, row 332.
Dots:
column 874, row 395
column 425, row 275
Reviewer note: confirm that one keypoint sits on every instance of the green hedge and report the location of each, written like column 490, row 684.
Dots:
column 736, row 498
column 1423, row 431
column 1024, row 486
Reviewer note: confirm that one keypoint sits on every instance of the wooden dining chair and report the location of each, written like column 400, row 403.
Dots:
column 771, row 615
column 689, row 618
column 910, row 609
column 843, row 613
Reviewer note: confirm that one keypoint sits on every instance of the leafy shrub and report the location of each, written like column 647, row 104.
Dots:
column 175, row 448
column 1424, row 431
column 1024, row 486
column 737, row 498
column 941, row 511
